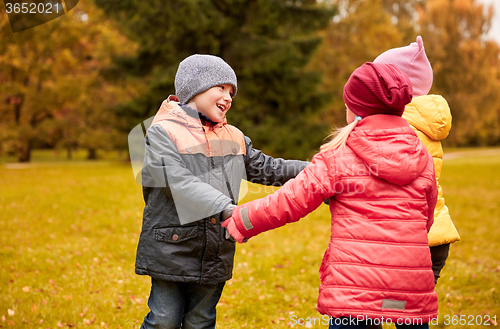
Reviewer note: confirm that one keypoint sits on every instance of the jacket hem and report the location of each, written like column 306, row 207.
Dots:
column 181, row 278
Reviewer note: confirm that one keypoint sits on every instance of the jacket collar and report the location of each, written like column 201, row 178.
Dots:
column 172, row 110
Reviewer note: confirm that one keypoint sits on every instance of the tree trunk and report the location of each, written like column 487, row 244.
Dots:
column 92, row 154
column 25, row 152
column 69, row 153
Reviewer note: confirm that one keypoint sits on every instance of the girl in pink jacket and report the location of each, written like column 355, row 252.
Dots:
column 381, row 187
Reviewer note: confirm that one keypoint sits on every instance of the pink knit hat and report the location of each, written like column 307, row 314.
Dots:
column 412, row 61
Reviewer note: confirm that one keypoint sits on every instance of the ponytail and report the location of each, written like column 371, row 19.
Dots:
column 339, row 136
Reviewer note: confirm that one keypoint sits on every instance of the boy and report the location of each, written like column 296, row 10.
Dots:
column 193, row 165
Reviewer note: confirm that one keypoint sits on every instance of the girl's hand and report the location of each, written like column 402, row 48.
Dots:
column 233, row 230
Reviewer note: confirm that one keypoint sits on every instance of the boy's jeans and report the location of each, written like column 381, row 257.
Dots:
column 176, row 304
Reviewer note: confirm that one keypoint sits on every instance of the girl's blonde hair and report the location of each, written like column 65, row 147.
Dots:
column 339, row 136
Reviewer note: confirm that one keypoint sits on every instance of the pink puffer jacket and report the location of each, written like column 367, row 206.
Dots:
column 382, row 192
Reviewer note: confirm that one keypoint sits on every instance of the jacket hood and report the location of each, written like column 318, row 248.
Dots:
column 172, row 110
column 389, row 148
column 430, row 114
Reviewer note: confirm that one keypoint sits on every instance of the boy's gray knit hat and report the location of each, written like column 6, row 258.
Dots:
column 198, row 73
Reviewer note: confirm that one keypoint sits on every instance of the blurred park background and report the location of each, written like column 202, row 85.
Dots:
column 72, row 89
column 84, row 80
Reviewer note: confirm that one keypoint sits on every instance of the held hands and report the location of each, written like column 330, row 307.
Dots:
column 233, row 230
column 228, row 223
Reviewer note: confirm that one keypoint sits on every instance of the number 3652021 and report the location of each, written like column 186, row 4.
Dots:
column 470, row 320
column 33, row 8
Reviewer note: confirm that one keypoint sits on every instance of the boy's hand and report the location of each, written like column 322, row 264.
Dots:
column 233, row 230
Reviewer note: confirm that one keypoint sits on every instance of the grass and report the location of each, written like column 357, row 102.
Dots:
column 69, row 232
column 61, row 155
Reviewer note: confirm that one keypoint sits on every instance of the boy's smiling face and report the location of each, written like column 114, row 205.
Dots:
column 215, row 102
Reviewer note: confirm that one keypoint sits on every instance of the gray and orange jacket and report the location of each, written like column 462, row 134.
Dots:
column 192, row 172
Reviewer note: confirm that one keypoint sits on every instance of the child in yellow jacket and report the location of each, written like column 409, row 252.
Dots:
column 430, row 117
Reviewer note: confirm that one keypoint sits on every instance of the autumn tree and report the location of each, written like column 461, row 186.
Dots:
column 465, row 62
column 357, row 34
column 50, row 84
column 404, row 16
column 466, row 67
column 267, row 42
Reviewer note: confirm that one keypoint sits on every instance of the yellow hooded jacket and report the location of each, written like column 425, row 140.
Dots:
column 430, row 116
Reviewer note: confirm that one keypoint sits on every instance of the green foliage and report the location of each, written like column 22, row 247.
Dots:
column 70, row 230
column 268, row 44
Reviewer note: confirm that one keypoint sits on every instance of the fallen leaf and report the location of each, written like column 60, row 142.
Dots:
column 60, row 325
column 26, row 289
column 84, row 312
column 33, row 308
column 3, row 318
column 11, row 312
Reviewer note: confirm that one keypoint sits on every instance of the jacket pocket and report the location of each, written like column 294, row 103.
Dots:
column 175, row 234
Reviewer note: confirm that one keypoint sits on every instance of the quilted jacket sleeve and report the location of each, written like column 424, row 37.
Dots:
column 297, row 198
